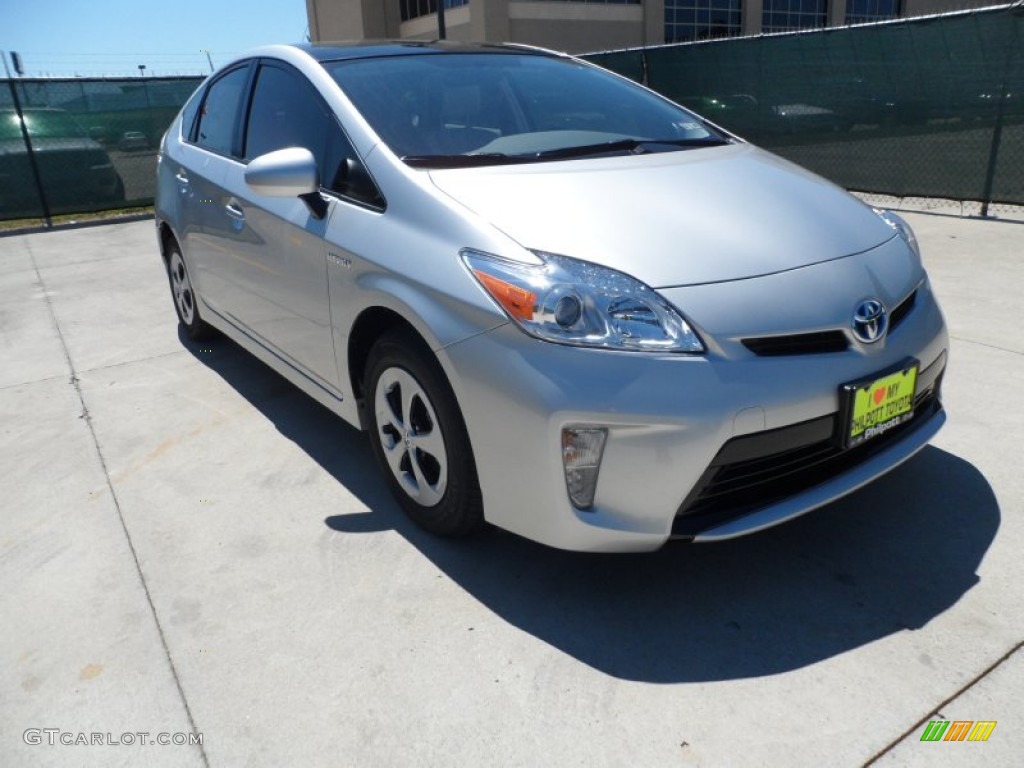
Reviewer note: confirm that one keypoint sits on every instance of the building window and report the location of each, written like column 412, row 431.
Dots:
column 863, row 11
column 413, row 9
column 788, row 15
column 701, row 19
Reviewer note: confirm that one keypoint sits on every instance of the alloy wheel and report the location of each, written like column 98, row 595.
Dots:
column 182, row 289
column 410, row 434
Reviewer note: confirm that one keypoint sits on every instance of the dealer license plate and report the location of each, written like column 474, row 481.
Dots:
column 875, row 406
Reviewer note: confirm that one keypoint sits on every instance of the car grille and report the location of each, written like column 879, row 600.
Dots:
column 901, row 310
column 754, row 471
column 797, row 344
column 818, row 342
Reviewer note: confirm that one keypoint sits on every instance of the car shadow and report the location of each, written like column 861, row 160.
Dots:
column 884, row 560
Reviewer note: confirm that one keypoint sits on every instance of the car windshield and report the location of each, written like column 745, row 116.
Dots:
column 463, row 109
column 45, row 124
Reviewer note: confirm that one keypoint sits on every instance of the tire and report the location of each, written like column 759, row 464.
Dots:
column 419, row 438
column 184, row 296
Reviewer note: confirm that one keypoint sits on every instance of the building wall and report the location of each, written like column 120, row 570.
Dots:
column 490, row 21
column 573, row 37
column 457, row 22
column 331, row 20
column 574, row 27
column 751, row 17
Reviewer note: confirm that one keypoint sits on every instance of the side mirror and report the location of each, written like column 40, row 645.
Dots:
column 287, row 172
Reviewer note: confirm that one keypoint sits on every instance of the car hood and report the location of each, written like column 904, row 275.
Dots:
column 674, row 218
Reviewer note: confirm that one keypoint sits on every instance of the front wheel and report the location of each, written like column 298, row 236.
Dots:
column 419, row 438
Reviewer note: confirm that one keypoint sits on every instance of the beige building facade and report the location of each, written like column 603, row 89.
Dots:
column 594, row 25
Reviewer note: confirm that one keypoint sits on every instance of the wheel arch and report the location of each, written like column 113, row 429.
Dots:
column 371, row 324
column 408, row 350
column 166, row 236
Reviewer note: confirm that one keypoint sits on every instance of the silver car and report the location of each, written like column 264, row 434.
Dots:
column 556, row 301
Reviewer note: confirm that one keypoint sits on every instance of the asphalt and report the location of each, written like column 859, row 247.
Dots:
column 190, row 545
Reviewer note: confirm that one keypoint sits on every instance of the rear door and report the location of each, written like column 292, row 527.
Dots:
column 205, row 156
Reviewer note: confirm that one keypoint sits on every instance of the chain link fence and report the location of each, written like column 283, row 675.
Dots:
column 81, row 145
column 927, row 108
column 930, row 107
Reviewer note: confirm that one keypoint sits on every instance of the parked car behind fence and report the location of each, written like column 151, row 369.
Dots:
column 76, row 169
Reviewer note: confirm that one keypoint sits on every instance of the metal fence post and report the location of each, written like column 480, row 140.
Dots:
column 31, row 154
column 997, row 131
column 993, row 153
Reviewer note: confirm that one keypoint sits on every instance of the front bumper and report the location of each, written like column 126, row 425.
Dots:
column 668, row 417
column 894, row 453
column 757, row 481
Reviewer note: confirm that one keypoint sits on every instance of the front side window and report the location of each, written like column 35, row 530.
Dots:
column 476, row 108
column 286, row 112
column 219, row 113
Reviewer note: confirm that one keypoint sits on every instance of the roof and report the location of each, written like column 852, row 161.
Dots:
column 336, row 51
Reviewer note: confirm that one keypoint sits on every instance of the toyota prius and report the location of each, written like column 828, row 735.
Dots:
column 557, row 302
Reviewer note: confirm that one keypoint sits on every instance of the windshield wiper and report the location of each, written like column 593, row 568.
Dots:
column 636, row 146
column 463, row 161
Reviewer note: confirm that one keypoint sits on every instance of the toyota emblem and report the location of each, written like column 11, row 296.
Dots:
column 870, row 321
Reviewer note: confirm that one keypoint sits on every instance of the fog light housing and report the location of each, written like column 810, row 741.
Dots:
column 582, row 450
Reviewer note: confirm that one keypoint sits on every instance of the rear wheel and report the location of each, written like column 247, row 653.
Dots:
column 184, row 295
column 419, row 438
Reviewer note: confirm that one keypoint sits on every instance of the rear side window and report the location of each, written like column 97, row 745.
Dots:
column 189, row 112
column 287, row 112
column 218, row 116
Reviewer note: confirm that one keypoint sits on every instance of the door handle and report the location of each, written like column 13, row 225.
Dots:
column 181, row 177
column 234, row 211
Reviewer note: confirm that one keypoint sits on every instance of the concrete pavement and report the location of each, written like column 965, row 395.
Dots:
column 190, row 545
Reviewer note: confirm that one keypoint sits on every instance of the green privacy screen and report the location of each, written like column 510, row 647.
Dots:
column 930, row 107
column 91, row 143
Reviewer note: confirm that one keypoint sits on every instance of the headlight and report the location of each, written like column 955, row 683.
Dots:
column 904, row 230
column 569, row 301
